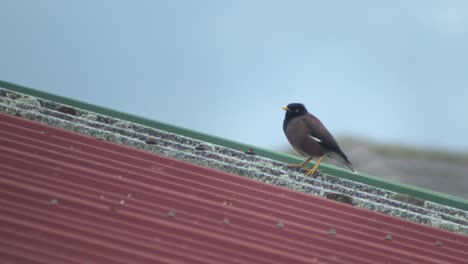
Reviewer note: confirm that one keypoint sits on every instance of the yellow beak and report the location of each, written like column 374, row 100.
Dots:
column 285, row 108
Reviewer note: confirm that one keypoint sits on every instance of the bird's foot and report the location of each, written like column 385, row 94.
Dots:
column 312, row 172
column 298, row 165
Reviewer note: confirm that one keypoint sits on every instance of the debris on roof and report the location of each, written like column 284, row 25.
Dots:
column 243, row 163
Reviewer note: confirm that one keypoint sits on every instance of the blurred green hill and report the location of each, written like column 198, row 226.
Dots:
column 434, row 169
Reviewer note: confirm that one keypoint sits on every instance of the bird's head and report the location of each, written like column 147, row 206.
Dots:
column 295, row 109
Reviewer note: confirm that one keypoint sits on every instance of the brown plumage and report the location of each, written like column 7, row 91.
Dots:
column 310, row 137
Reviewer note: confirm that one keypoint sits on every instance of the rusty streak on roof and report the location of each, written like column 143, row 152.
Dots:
column 70, row 198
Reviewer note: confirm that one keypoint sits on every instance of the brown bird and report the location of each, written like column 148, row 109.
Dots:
column 310, row 138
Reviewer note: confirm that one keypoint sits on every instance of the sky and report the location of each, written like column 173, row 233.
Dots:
column 391, row 71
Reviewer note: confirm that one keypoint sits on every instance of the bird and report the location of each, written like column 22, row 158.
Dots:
column 311, row 138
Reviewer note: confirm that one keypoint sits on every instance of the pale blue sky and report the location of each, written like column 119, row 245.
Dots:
column 394, row 71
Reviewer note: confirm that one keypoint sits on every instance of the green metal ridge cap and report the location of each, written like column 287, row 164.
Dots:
column 383, row 183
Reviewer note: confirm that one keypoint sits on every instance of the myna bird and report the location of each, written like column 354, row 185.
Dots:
column 310, row 137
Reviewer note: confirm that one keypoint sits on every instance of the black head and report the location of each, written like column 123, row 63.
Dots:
column 294, row 110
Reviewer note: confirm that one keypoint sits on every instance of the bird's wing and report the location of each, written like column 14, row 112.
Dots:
column 320, row 133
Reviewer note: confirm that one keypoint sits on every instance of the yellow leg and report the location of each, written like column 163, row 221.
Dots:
column 314, row 169
column 301, row 164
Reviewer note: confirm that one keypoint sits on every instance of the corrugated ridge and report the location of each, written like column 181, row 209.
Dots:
column 46, row 169
column 232, row 161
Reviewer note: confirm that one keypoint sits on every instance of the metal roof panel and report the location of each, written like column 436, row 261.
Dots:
column 70, row 198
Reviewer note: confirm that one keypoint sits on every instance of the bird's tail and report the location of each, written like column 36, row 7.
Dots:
column 350, row 166
column 341, row 157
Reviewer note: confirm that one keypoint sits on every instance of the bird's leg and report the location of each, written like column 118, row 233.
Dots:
column 300, row 164
column 314, row 169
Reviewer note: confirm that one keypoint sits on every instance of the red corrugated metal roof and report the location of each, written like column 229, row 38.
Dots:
column 69, row 198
